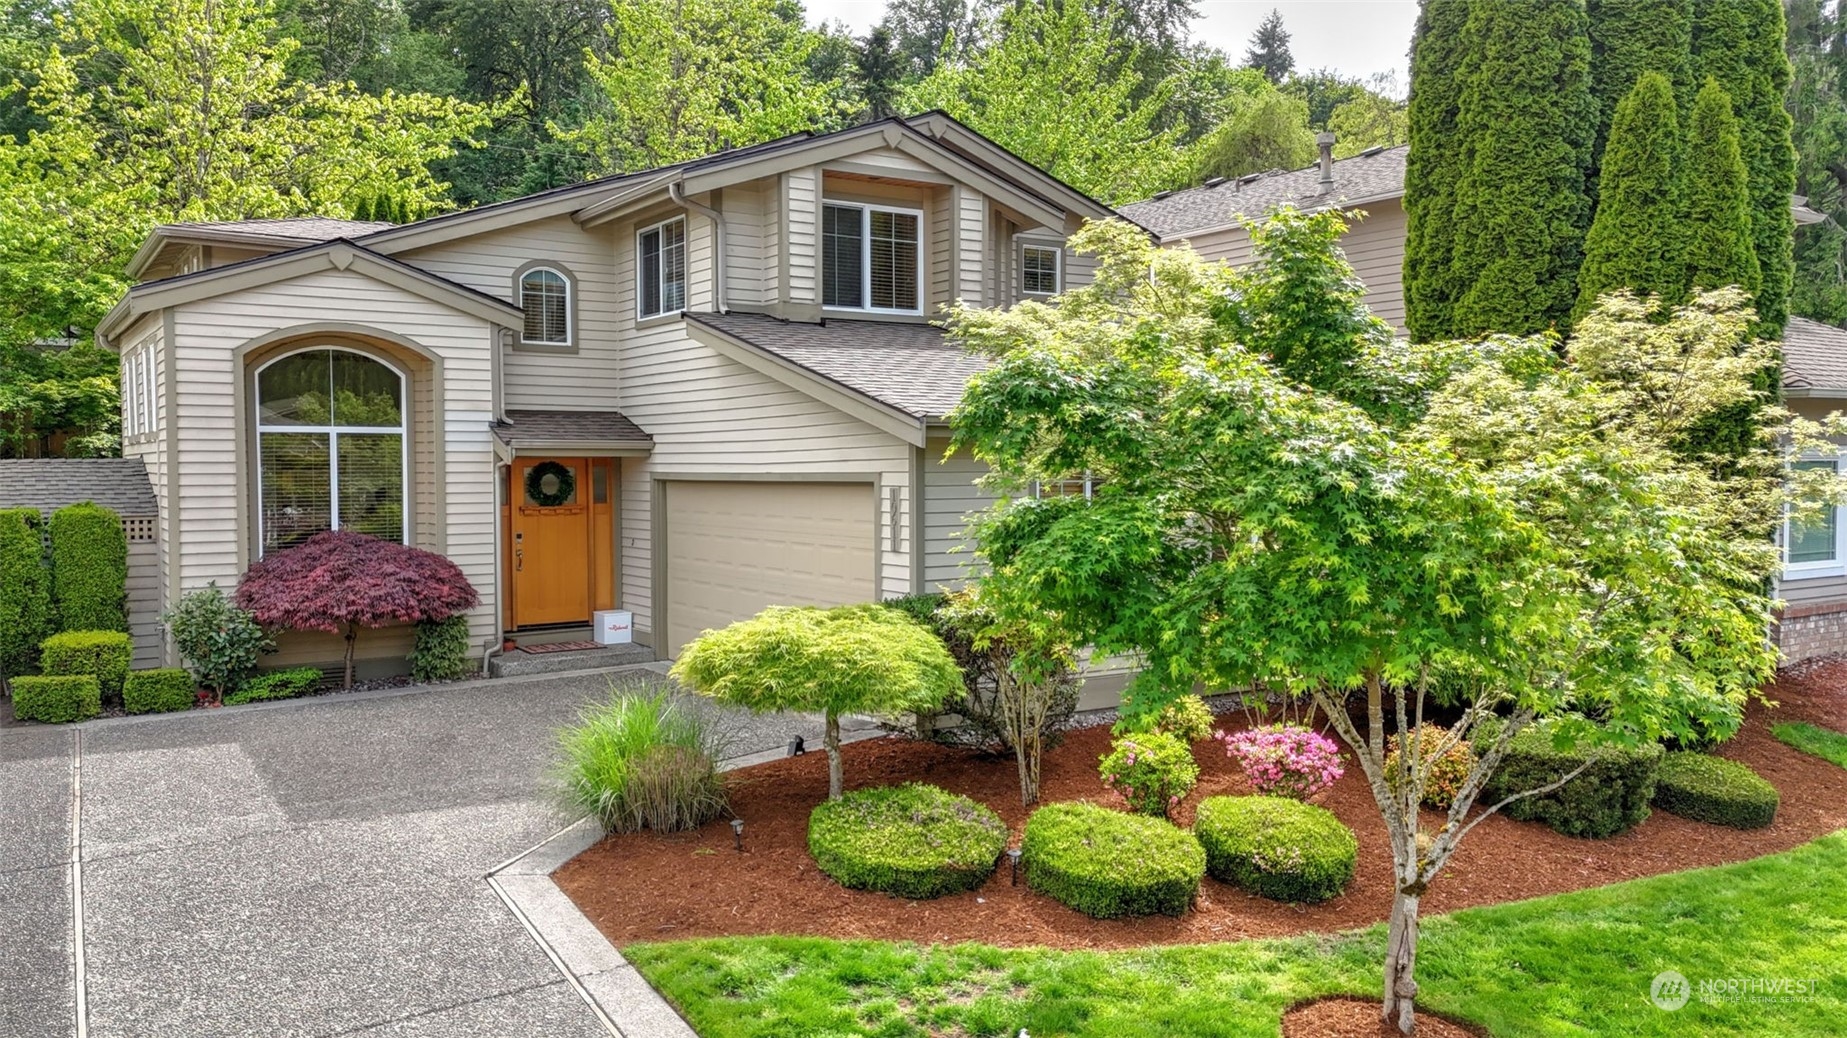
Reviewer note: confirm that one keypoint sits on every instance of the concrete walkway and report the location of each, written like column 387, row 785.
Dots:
column 312, row 868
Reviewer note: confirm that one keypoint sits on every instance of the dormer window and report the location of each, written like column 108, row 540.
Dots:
column 872, row 258
column 545, row 296
column 660, row 277
column 1039, row 269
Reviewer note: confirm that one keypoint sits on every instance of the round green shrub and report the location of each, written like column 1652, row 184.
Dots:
column 1609, row 796
column 442, row 651
column 1279, row 848
column 1153, row 771
column 1716, row 790
column 1108, row 864
column 89, row 568
column 57, row 699
column 914, row 840
column 158, row 691
column 102, row 654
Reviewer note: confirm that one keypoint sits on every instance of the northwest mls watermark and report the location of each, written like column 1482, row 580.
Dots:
column 1670, row 990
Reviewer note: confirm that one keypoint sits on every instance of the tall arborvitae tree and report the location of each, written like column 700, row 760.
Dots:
column 1739, row 43
column 1718, row 224
column 1628, row 38
column 1269, row 49
column 1635, row 241
column 1526, row 121
column 1432, row 168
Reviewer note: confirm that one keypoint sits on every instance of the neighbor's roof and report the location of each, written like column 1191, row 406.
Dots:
column 1814, row 358
column 48, row 484
column 1371, row 175
column 299, row 228
column 908, row 366
column 532, row 428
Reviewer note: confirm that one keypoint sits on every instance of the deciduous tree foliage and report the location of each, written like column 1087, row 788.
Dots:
column 1484, row 525
column 1268, row 131
column 1638, row 239
column 339, row 582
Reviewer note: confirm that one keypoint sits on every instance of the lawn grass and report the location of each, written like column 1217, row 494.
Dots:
column 1574, row 964
column 1813, row 739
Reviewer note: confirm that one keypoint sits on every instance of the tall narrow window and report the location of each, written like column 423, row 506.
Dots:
column 545, row 296
column 330, row 447
column 871, row 258
column 1816, row 543
column 1039, row 270
column 661, row 275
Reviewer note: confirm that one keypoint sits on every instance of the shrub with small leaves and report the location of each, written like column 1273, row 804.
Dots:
column 101, row 654
column 1153, row 771
column 1285, row 760
column 1278, row 848
column 57, row 700
column 1716, row 790
column 277, row 684
column 1609, row 795
column 218, row 640
column 1444, row 773
column 1108, row 864
column 25, row 590
column 442, row 651
column 914, row 840
column 1188, row 719
column 89, row 568
column 158, row 691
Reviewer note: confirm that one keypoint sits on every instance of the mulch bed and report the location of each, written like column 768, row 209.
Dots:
column 1360, row 1018
column 652, row 887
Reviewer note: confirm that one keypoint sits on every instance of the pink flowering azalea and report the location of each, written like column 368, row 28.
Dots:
column 1285, row 760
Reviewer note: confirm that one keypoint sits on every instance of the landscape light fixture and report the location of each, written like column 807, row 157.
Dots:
column 797, row 747
column 1013, row 865
column 737, row 833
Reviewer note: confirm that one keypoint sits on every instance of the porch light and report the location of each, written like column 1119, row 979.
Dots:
column 1013, row 865
column 737, row 833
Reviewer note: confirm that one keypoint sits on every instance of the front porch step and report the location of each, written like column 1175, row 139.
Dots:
column 515, row 663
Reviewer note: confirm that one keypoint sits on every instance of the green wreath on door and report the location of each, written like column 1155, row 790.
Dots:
column 563, row 487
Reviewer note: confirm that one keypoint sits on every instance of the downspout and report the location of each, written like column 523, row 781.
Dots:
column 718, row 245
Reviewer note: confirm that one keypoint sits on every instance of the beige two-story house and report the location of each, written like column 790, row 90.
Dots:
column 688, row 392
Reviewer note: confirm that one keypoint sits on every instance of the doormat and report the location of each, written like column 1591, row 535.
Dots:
column 559, row 647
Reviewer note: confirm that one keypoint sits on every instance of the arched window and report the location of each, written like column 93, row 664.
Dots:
column 330, row 447
column 545, row 296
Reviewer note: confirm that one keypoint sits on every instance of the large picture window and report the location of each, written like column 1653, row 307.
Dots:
column 545, row 296
column 871, row 258
column 330, row 447
column 661, row 263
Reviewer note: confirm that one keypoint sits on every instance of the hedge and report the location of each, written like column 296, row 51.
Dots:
column 1610, row 796
column 914, row 840
column 1716, row 790
column 1107, row 864
column 103, row 654
column 1279, row 848
column 442, row 651
column 89, row 568
column 25, row 590
column 55, row 700
column 158, row 691
column 277, row 684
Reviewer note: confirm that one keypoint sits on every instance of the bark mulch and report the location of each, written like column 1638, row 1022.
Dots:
column 1360, row 1018
column 651, row 887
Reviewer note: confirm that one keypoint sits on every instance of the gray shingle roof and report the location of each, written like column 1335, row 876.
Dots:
column 1206, row 208
column 912, row 367
column 48, row 484
column 304, row 228
column 524, row 428
column 1814, row 356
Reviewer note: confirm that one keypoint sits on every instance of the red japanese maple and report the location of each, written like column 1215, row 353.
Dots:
column 340, row 581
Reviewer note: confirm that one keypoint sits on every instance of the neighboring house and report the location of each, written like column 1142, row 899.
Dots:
column 119, row 484
column 1211, row 219
column 688, row 392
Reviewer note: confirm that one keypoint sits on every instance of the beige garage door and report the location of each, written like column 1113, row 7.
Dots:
column 734, row 548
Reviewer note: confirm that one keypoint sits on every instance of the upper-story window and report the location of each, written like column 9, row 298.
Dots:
column 330, row 447
column 1039, row 269
column 661, row 268
column 1814, row 548
column 871, row 258
column 138, row 391
column 545, row 296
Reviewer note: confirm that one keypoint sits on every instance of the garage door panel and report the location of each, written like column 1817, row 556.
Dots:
column 735, row 548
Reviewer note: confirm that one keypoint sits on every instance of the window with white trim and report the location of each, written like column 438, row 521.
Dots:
column 1084, row 486
column 137, row 380
column 1815, row 547
column 660, row 275
column 871, row 258
column 1040, row 267
column 330, row 447
column 545, row 296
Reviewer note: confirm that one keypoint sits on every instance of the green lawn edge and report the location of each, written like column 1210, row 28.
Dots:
column 1574, row 964
column 1813, row 740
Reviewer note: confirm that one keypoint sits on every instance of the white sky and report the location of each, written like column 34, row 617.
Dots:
column 1358, row 37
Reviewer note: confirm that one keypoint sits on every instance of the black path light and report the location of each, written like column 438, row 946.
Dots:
column 1013, row 865
column 737, row 833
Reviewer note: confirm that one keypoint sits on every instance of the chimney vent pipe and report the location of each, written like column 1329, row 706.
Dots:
column 1325, row 140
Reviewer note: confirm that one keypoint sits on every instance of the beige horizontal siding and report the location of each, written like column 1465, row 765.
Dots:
column 950, row 497
column 801, row 205
column 144, row 604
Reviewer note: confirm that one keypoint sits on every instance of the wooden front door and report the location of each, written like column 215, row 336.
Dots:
column 553, row 580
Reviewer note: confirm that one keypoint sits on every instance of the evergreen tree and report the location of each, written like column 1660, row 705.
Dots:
column 1718, row 223
column 1739, row 43
column 1630, row 37
column 880, row 68
column 1635, row 241
column 1432, row 168
column 1269, row 49
column 1525, row 122
column 1818, row 105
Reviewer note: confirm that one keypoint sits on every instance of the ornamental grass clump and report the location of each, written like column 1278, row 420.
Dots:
column 1285, row 760
column 641, row 761
column 913, row 841
column 1152, row 771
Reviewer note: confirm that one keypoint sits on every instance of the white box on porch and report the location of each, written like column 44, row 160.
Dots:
column 613, row 626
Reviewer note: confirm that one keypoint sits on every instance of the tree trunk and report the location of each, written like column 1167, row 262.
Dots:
column 831, row 740
column 352, row 635
column 1401, row 964
column 1026, row 751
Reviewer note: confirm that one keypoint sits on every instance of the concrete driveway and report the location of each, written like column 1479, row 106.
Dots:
column 312, row 868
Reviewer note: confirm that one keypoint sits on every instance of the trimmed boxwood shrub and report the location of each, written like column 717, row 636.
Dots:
column 914, row 840
column 277, row 684
column 158, row 691
column 103, row 654
column 89, row 568
column 1107, row 864
column 25, row 590
column 442, row 652
column 1279, row 848
column 1609, row 797
column 1716, row 790
column 56, row 700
